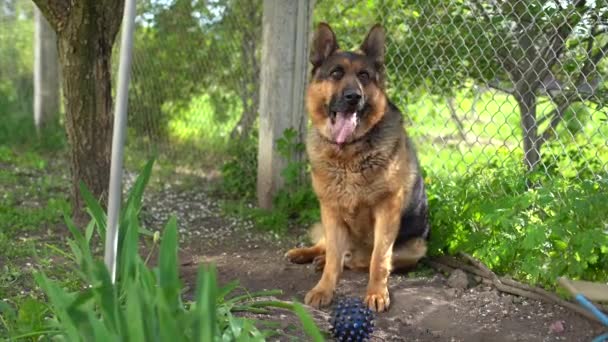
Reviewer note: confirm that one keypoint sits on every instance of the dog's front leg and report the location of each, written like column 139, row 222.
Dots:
column 387, row 215
column 336, row 240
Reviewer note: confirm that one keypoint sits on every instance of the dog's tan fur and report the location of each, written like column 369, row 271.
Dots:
column 363, row 187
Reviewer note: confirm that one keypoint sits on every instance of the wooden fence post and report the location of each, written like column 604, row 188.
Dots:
column 283, row 78
column 46, row 72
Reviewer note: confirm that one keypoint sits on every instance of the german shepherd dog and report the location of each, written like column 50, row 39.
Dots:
column 364, row 169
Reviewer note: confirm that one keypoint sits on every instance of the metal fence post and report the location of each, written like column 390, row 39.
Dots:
column 118, row 138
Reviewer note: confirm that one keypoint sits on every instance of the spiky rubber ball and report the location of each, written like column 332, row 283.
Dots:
column 351, row 320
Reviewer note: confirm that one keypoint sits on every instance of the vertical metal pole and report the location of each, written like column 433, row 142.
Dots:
column 118, row 138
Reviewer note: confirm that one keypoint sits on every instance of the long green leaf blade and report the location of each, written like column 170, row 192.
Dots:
column 168, row 265
column 206, row 311
column 308, row 323
column 94, row 209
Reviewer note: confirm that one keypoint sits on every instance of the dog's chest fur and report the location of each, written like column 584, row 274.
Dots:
column 358, row 177
column 361, row 181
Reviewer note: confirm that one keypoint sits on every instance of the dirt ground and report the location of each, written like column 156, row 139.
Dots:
column 423, row 306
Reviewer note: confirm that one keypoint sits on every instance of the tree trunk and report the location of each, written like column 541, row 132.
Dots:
column 457, row 121
column 86, row 31
column 527, row 107
column 46, row 73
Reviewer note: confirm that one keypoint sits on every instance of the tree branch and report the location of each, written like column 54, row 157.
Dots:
column 550, row 54
column 556, row 117
column 497, row 86
column 587, row 70
column 457, row 121
column 504, row 284
column 56, row 12
column 481, row 10
column 591, row 63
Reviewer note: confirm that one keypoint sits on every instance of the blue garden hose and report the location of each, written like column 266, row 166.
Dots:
column 589, row 306
column 601, row 338
column 600, row 315
column 582, row 300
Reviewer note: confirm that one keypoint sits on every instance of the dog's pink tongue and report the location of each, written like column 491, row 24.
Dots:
column 344, row 126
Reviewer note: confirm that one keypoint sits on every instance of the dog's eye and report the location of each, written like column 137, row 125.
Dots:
column 337, row 74
column 363, row 76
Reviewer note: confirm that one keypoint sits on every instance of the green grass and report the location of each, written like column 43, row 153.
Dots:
column 31, row 207
column 18, row 132
column 32, row 204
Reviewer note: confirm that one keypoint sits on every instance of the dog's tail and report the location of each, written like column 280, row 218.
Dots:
column 316, row 233
column 408, row 254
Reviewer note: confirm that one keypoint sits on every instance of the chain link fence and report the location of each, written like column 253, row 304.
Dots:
column 194, row 76
column 16, row 56
column 509, row 84
column 490, row 82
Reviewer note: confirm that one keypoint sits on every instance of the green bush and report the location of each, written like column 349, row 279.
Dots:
column 294, row 202
column 534, row 234
column 239, row 171
column 144, row 304
column 295, row 199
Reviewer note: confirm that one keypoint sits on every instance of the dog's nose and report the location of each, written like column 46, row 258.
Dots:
column 352, row 96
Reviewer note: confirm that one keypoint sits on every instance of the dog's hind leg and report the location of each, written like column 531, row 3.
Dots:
column 315, row 253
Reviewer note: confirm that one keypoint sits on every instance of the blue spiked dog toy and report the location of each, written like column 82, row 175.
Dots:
column 351, row 320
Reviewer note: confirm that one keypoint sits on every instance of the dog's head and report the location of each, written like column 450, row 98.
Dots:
column 346, row 94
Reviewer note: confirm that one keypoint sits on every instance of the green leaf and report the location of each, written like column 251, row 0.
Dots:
column 106, row 298
column 308, row 323
column 60, row 302
column 168, row 277
column 101, row 331
column 534, row 237
column 136, row 193
column 89, row 231
column 226, row 289
column 94, row 209
column 135, row 328
column 31, row 315
column 251, row 295
column 128, row 254
column 168, row 320
column 206, row 294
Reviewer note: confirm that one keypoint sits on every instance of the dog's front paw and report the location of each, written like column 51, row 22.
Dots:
column 318, row 297
column 378, row 299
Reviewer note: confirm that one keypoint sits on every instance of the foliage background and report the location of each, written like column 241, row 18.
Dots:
column 467, row 75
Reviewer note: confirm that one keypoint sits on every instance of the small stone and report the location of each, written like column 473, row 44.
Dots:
column 557, row 327
column 458, row 279
column 452, row 292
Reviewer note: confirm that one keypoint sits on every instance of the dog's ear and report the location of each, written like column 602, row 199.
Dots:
column 373, row 45
column 323, row 44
